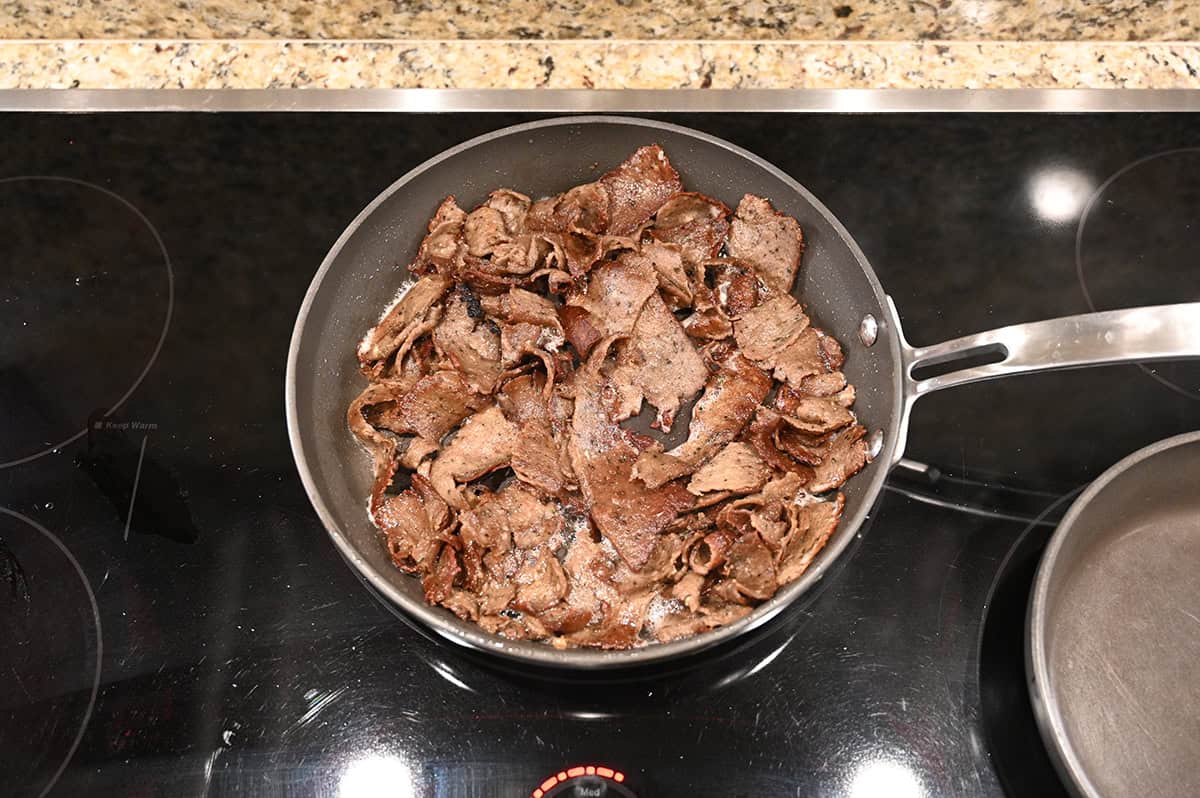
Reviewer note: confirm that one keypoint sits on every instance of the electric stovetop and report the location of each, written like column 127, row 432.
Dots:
column 174, row 620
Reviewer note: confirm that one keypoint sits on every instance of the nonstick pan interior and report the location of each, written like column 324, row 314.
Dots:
column 1115, row 629
column 366, row 266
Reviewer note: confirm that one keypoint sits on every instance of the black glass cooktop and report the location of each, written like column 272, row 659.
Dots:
column 174, row 620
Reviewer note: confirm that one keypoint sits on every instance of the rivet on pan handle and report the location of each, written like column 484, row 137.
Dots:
column 1163, row 332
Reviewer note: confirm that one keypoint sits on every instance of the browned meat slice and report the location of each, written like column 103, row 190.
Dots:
column 483, row 443
column 709, row 323
column 430, row 408
column 667, row 263
column 440, row 248
column 526, row 306
column 665, row 564
column 762, row 436
column 584, row 209
column 521, row 255
column 627, row 513
column 512, row 516
column 764, row 512
column 416, row 452
column 439, row 582
column 619, row 632
column 616, row 294
column 698, row 224
column 541, row 583
column 812, row 353
column 484, row 231
column 804, row 448
column 679, row 624
column 589, row 566
column 735, row 287
column 709, row 616
column 531, row 324
column 463, row 604
column 845, row 457
column 708, row 553
column 722, row 289
column 536, row 454
column 658, row 363
column 582, row 250
column 844, row 397
column 517, row 341
column 483, row 277
column 512, row 205
column 470, row 341
column 688, row 589
column 777, row 335
column 813, row 522
column 506, row 627
column 818, row 416
column 381, row 445
column 729, row 400
column 771, row 242
column 498, row 534
column 416, row 354
column 831, row 385
column 736, row 468
column 751, row 567
column 638, row 188
column 595, row 611
column 578, row 328
column 765, row 331
column 415, row 524
column 406, row 312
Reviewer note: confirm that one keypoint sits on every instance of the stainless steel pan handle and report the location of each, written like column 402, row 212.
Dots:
column 1164, row 332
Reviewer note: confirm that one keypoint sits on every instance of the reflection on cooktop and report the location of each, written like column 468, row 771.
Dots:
column 50, row 655
column 1136, row 244
column 87, row 295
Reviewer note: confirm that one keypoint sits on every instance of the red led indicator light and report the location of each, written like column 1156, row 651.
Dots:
column 576, row 772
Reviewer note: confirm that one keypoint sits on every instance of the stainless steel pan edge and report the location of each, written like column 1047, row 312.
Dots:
column 1047, row 710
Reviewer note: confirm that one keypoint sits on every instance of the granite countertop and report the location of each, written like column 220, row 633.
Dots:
column 600, row 44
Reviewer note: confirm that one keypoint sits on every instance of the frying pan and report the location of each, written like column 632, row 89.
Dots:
column 1113, row 643
column 363, row 269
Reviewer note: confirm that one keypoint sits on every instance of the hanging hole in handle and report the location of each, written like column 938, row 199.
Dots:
column 959, row 361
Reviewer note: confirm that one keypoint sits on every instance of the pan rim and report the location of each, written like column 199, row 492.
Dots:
column 542, row 654
column 1047, row 710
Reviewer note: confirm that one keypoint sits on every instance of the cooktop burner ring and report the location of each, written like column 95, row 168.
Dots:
column 166, row 324
column 1080, row 272
column 99, row 646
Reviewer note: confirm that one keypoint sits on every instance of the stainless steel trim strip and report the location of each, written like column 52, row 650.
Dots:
column 583, row 100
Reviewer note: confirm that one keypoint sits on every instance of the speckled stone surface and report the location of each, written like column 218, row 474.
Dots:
column 644, row 65
column 600, row 44
column 881, row 20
